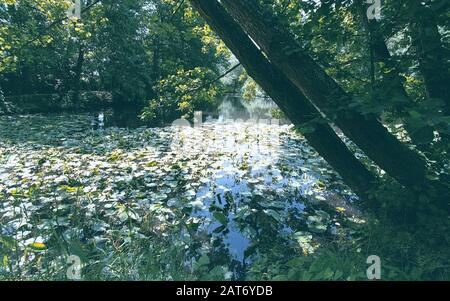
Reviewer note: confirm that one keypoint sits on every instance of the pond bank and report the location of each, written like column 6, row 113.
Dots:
column 52, row 103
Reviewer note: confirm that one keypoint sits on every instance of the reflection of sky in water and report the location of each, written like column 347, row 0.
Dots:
column 242, row 170
column 246, row 168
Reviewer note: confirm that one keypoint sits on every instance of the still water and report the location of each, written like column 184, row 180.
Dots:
column 221, row 196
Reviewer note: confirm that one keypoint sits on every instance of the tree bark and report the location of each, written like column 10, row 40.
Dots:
column 290, row 100
column 391, row 86
column 366, row 131
column 78, row 73
column 431, row 55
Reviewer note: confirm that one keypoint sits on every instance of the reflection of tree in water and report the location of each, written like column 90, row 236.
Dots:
column 126, row 116
column 234, row 108
column 119, row 116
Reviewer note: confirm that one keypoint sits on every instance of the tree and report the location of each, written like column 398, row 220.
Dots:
column 365, row 130
column 35, row 56
column 432, row 58
column 390, row 88
column 133, row 49
column 290, row 100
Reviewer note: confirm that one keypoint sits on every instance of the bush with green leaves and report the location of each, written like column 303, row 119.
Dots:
column 183, row 93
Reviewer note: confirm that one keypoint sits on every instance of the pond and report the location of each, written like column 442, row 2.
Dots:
column 232, row 107
column 208, row 202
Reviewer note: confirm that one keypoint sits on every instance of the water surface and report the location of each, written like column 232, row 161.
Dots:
column 214, row 198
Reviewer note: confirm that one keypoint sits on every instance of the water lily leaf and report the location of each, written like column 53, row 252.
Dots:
column 70, row 189
column 304, row 240
column 172, row 202
column 317, row 223
column 38, row 246
column 323, row 215
column 340, row 209
column 159, row 197
column 220, row 217
column 152, row 164
column 196, row 204
column 274, row 214
column 317, row 228
column 203, row 260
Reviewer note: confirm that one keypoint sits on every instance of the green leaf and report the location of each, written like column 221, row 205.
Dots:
column 203, row 260
column 37, row 246
column 220, row 217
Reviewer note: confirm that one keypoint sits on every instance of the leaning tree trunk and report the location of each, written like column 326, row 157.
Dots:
column 290, row 100
column 366, row 131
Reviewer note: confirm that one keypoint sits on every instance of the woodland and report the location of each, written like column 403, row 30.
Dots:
column 317, row 137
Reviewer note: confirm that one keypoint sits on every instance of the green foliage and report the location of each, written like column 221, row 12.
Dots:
column 405, row 254
column 277, row 114
column 183, row 93
column 131, row 208
column 336, row 36
column 132, row 49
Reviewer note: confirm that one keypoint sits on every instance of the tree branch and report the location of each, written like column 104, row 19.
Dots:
column 212, row 81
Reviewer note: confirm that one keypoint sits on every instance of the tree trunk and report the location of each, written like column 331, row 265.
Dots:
column 78, row 73
column 3, row 108
column 290, row 100
column 431, row 55
column 366, row 131
column 391, row 86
